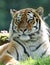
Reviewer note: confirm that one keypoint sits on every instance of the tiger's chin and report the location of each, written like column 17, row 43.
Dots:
column 24, row 38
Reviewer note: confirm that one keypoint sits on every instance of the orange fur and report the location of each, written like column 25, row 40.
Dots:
column 6, row 58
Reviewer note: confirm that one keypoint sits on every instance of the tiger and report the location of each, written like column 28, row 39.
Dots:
column 28, row 34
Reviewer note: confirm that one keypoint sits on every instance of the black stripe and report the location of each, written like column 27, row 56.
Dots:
column 44, row 52
column 39, row 24
column 23, row 47
column 39, row 27
column 8, row 52
column 13, row 27
column 12, row 24
column 38, row 46
column 16, row 53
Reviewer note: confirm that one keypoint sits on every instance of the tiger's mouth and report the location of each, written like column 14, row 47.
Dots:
column 24, row 37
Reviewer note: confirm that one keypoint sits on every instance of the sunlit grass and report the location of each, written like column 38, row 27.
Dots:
column 39, row 61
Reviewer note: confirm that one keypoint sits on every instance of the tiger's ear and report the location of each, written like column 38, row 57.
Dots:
column 40, row 11
column 13, row 12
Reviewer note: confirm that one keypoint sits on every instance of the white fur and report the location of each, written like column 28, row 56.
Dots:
column 31, row 44
column 29, row 16
column 24, row 38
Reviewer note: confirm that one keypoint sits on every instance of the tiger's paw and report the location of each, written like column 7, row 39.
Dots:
column 13, row 63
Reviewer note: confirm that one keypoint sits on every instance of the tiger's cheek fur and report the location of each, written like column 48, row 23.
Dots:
column 29, row 26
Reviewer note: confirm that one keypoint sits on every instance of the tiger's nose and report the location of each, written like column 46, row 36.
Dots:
column 23, row 30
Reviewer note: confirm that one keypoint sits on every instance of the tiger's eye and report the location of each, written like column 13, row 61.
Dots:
column 30, row 21
column 29, row 17
column 34, row 15
column 29, row 12
column 37, row 20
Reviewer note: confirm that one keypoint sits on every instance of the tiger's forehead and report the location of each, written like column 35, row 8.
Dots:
column 26, row 10
column 26, row 15
column 26, row 18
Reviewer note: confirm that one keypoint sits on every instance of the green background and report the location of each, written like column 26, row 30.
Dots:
column 6, row 5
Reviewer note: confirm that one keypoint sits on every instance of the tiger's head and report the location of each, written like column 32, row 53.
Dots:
column 26, row 22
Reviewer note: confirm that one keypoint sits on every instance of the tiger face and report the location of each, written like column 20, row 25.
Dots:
column 26, row 22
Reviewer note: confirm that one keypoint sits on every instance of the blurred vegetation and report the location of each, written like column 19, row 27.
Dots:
column 6, row 5
column 4, row 37
column 39, row 61
column 1, row 63
column 30, row 61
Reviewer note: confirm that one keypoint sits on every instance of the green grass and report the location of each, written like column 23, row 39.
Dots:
column 1, row 63
column 40, row 61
